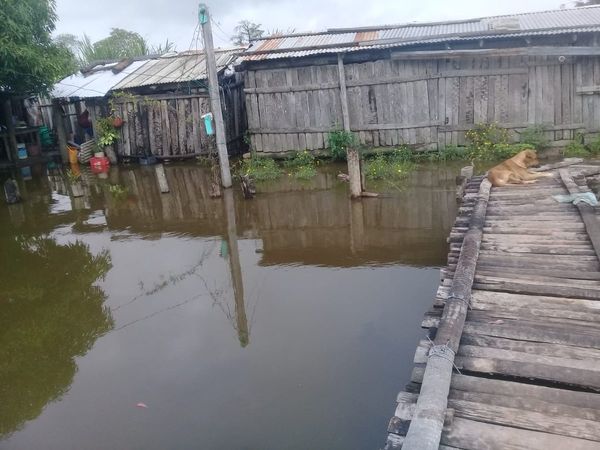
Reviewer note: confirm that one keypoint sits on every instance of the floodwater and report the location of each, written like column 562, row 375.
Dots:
column 131, row 319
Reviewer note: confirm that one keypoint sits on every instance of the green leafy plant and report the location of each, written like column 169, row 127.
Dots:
column 260, row 168
column 339, row 141
column 594, row 146
column 505, row 151
column 106, row 131
column 389, row 166
column 483, row 138
column 575, row 148
column 303, row 165
column 534, row 136
column 118, row 191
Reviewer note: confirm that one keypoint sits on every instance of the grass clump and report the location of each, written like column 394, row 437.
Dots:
column 578, row 147
column 260, row 168
column 389, row 166
column 339, row 141
column 303, row 165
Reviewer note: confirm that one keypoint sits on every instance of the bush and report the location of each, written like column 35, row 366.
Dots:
column 260, row 168
column 389, row 166
column 577, row 149
column 594, row 146
column 339, row 141
column 302, row 165
column 534, row 137
column 505, row 151
column 483, row 138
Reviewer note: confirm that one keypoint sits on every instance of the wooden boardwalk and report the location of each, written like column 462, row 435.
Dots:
column 527, row 369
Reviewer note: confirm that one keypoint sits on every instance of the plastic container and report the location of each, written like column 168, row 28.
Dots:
column 22, row 151
column 99, row 164
column 72, row 154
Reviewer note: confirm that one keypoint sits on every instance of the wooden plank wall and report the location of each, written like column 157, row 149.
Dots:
column 163, row 126
column 170, row 125
column 427, row 104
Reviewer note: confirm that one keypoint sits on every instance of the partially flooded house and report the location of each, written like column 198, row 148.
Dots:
column 425, row 84
column 161, row 100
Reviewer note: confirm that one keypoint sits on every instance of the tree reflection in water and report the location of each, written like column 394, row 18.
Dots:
column 49, row 315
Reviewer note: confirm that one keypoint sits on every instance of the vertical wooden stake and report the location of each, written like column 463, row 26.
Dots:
column 11, row 150
column 351, row 153
column 213, row 92
column 59, row 123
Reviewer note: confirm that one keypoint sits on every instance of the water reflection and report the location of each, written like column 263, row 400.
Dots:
column 188, row 273
column 50, row 313
column 297, row 221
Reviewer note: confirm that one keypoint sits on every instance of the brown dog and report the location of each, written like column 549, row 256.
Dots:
column 515, row 170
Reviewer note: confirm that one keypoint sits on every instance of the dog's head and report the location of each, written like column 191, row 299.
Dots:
column 527, row 158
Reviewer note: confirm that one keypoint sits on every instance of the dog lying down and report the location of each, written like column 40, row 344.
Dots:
column 515, row 170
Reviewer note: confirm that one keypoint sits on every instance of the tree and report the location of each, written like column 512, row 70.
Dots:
column 118, row 45
column 31, row 60
column 246, row 31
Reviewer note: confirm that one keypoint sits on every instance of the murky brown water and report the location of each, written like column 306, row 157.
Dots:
column 285, row 322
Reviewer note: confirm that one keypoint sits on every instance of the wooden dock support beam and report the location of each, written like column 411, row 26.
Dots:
column 426, row 426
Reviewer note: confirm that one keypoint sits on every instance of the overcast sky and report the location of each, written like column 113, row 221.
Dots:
column 176, row 20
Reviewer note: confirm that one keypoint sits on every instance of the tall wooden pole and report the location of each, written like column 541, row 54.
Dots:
column 11, row 149
column 351, row 153
column 58, row 121
column 213, row 92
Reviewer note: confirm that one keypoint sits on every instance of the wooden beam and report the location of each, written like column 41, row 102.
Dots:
column 588, row 213
column 427, row 422
column 519, row 51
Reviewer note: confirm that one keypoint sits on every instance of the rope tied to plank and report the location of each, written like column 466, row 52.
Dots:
column 461, row 298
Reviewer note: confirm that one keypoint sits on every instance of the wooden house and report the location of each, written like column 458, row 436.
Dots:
column 425, row 84
column 161, row 100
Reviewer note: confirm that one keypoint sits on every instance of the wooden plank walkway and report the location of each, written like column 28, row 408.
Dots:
column 527, row 370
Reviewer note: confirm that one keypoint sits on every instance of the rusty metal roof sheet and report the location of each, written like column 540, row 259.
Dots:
column 586, row 19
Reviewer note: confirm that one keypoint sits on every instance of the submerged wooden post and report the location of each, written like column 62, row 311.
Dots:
column 59, row 123
column 351, row 153
column 426, row 426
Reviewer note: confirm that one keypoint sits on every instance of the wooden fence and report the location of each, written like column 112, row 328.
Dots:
column 427, row 104
column 170, row 125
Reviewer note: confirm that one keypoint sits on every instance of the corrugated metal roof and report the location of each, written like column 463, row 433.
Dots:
column 95, row 84
column 560, row 21
column 171, row 68
column 180, row 68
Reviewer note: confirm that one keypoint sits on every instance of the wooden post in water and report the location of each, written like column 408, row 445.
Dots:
column 213, row 92
column 351, row 153
column 426, row 426
column 59, row 123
